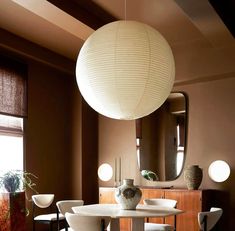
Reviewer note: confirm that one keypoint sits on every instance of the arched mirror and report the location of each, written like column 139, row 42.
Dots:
column 161, row 140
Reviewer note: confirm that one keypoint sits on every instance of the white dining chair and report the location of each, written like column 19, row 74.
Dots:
column 161, row 202
column 80, row 222
column 65, row 206
column 207, row 220
column 43, row 201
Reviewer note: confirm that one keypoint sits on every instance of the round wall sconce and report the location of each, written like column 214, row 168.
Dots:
column 105, row 172
column 219, row 171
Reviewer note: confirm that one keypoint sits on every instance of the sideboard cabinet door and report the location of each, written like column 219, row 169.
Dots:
column 190, row 202
column 106, row 195
column 194, row 201
column 148, row 193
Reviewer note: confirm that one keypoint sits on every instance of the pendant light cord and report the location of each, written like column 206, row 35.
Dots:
column 125, row 10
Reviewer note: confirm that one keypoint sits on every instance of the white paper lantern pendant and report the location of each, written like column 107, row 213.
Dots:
column 125, row 70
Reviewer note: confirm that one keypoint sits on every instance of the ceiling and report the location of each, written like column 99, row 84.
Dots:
column 201, row 43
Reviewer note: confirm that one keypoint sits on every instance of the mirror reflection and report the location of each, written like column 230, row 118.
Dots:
column 161, row 139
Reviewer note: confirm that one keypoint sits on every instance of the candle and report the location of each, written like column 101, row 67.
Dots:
column 115, row 171
column 120, row 168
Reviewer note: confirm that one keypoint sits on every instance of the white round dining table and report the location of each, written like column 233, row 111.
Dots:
column 115, row 212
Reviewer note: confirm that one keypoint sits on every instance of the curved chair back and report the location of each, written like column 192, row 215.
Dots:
column 161, row 202
column 43, row 200
column 79, row 222
column 66, row 205
column 207, row 220
column 169, row 203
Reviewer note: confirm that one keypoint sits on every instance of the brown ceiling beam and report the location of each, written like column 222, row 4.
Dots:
column 12, row 45
column 85, row 11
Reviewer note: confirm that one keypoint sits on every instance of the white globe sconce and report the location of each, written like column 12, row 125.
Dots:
column 219, row 171
column 105, row 172
column 125, row 70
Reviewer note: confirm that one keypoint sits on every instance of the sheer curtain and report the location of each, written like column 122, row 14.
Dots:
column 13, row 87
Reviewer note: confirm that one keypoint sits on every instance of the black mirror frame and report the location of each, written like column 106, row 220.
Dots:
column 185, row 134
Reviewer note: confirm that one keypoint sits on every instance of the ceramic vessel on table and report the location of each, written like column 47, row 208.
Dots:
column 128, row 195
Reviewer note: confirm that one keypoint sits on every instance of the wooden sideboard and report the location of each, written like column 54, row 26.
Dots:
column 190, row 201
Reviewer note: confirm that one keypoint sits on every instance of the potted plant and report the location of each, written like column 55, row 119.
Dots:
column 14, row 185
column 17, row 181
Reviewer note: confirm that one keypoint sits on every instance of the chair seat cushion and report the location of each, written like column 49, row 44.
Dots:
column 48, row 217
column 157, row 227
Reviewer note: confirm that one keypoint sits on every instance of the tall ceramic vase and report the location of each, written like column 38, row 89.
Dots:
column 128, row 195
column 193, row 177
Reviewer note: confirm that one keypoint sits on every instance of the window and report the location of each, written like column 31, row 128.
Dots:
column 11, row 143
column 13, row 108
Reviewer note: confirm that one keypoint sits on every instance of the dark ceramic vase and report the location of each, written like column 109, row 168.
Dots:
column 193, row 177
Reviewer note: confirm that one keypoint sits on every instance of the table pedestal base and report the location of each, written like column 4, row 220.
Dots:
column 137, row 224
column 114, row 224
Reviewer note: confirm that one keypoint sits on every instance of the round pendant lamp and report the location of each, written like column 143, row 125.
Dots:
column 125, row 70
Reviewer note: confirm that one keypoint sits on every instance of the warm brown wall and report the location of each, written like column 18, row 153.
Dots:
column 48, row 152
column 76, row 136
column 48, row 129
column 211, row 132
column 53, row 125
column 58, row 128
column 89, row 154
column 211, row 126
column 117, row 139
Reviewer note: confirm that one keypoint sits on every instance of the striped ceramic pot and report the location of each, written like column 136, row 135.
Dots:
column 193, row 177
